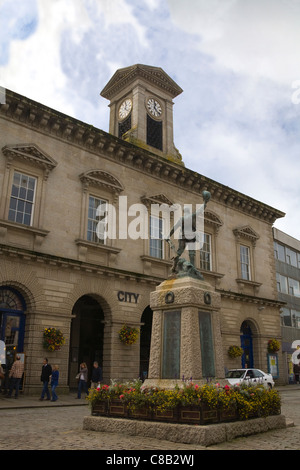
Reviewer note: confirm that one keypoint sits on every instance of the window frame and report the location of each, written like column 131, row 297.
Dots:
column 248, row 271
column 204, row 262
column 20, row 199
column 160, row 249
column 94, row 221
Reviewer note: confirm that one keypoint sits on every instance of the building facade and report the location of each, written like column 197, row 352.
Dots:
column 62, row 268
column 287, row 258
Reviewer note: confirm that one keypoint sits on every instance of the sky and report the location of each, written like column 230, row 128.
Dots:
column 237, row 61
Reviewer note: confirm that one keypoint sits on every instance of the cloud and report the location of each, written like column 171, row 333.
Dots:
column 236, row 121
column 17, row 22
column 256, row 37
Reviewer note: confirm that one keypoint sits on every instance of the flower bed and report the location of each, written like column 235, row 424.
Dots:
column 190, row 404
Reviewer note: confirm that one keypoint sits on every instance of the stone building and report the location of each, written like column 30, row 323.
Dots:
column 57, row 271
column 287, row 261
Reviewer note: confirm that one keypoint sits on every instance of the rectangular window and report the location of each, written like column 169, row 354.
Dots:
column 94, row 227
column 245, row 262
column 156, row 237
column 22, row 199
column 296, row 318
column 282, row 284
column 294, row 288
column 281, row 253
column 286, row 317
column 205, row 253
column 291, row 257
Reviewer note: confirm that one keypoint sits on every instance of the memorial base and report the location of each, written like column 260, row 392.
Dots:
column 206, row 435
column 186, row 342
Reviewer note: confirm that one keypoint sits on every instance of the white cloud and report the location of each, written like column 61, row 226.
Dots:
column 255, row 37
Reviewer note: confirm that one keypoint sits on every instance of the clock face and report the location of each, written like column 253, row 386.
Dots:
column 125, row 109
column 154, row 107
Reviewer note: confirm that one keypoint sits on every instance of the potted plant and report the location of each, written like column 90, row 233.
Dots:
column 273, row 345
column 53, row 339
column 235, row 351
column 128, row 335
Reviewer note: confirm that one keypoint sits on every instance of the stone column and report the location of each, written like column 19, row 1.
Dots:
column 186, row 336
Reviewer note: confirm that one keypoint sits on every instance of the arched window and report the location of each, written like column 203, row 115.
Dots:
column 12, row 319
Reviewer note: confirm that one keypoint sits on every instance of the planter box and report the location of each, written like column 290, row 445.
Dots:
column 117, row 409
column 189, row 414
column 182, row 414
column 230, row 414
column 140, row 413
column 209, row 415
column 100, row 408
column 168, row 416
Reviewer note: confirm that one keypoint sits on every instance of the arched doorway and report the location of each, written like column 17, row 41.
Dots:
column 12, row 324
column 145, row 342
column 86, row 341
column 247, row 345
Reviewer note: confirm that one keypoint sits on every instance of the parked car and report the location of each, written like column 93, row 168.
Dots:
column 251, row 376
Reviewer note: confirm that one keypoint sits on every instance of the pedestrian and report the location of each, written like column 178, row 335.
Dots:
column 296, row 370
column 54, row 382
column 83, row 377
column 45, row 376
column 96, row 375
column 15, row 376
column 2, row 378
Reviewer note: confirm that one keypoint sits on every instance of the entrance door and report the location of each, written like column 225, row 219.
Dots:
column 12, row 324
column 86, row 343
column 247, row 345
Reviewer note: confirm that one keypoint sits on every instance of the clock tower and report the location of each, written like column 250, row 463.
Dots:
column 141, row 108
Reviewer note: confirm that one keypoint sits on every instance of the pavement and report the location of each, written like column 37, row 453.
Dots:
column 27, row 423
column 27, row 401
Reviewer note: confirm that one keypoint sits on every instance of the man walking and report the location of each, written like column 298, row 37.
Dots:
column 45, row 376
column 96, row 375
column 15, row 375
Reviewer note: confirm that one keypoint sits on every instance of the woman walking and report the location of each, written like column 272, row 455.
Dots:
column 83, row 377
column 54, row 382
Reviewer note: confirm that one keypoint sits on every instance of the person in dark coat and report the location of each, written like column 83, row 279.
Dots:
column 96, row 375
column 45, row 376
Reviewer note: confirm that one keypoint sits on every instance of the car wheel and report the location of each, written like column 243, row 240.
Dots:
column 270, row 386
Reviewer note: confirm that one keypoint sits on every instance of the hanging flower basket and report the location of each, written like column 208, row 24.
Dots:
column 53, row 339
column 273, row 345
column 128, row 335
column 235, row 351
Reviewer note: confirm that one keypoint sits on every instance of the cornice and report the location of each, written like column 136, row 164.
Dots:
column 259, row 301
column 43, row 119
column 155, row 75
column 76, row 265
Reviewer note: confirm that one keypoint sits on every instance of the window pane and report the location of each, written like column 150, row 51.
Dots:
column 94, row 227
column 281, row 252
column 296, row 318
column 245, row 262
column 291, row 257
column 294, row 288
column 205, row 252
column 286, row 317
column 21, row 201
column 156, row 237
column 282, row 284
